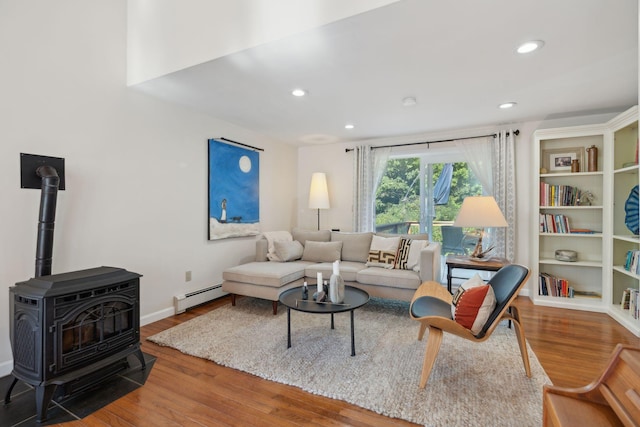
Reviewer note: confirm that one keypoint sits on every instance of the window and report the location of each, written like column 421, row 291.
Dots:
column 422, row 193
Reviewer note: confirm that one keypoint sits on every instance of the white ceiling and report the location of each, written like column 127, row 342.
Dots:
column 457, row 58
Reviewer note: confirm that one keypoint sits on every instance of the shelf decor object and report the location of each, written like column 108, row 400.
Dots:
column 566, row 255
column 631, row 219
column 480, row 212
column 559, row 160
column 593, row 158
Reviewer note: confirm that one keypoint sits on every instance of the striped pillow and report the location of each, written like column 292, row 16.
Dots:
column 402, row 257
column 408, row 256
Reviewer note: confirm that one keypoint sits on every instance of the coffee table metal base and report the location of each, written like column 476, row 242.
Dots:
column 354, row 298
column 353, row 333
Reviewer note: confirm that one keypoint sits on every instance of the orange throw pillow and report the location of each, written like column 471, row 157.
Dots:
column 473, row 303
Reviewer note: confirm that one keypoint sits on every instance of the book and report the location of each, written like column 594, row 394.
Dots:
column 550, row 285
column 559, row 195
column 554, row 223
column 633, row 303
column 624, row 302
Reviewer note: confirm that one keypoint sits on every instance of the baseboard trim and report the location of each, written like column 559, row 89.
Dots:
column 158, row 315
column 6, row 368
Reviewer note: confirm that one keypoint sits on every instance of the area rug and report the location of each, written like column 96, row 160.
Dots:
column 472, row 384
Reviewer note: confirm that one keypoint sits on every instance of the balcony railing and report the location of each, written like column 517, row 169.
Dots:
column 458, row 242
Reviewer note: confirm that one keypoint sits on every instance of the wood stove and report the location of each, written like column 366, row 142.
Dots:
column 73, row 329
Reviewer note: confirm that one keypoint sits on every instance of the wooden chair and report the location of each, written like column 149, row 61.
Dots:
column 431, row 306
column 611, row 400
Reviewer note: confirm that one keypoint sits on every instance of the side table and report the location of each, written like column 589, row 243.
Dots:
column 465, row 263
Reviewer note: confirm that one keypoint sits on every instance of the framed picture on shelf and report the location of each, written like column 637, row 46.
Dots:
column 559, row 159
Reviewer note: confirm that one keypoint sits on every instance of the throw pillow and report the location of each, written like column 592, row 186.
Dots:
column 402, row 256
column 408, row 256
column 288, row 251
column 321, row 251
column 382, row 252
column 317, row 236
column 413, row 263
column 355, row 246
column 473, row 303
column 272, row 237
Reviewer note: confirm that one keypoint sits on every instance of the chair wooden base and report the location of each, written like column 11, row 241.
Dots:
column 433, row 347
column 437, row 325
column 435, row 339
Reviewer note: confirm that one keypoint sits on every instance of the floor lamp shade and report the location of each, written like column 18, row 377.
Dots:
column 318, row 193
column 480, row 212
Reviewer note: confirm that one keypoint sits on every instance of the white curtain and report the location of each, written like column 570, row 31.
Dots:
column 492, row 160
column 504, row 191
column 368, row 167
column 478, row 153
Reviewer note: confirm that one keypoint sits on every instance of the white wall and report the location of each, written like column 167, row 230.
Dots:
column 169, row 35
column 136, row 168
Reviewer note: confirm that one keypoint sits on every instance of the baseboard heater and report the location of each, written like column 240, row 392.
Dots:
column 191, row 299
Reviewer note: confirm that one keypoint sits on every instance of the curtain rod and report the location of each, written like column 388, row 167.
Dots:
column 515, row 132
column 244, row 145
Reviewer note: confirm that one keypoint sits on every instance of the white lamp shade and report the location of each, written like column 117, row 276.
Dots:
column 480, row 212
column 318, row 192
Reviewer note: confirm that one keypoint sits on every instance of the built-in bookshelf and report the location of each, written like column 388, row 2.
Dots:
column 581, row 209
column 569, row 201
column 624, row 166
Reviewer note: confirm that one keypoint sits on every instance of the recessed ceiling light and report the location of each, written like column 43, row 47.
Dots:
column 530, row 46
column 349, row 126
column 298, row 92
column 506, row 105
column 409, row 101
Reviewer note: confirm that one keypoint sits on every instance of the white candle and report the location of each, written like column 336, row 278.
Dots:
column 319, row 280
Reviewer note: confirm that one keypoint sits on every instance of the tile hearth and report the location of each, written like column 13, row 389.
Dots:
column 21, row 411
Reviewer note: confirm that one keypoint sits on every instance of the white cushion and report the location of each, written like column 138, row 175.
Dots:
column 414, row 254
column 273, row 237
column 288, row 251
column 321, row 251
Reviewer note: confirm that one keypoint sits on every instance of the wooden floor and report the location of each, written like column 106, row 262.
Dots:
column 572, row 346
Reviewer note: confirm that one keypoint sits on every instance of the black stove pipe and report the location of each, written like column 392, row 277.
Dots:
column 46, row 221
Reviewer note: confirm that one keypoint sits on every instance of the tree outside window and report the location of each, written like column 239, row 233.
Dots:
column 398, row 199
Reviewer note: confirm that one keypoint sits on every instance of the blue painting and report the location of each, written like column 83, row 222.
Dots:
column 234, row 191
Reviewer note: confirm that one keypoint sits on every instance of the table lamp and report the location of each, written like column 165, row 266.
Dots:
column 480, row 212
column 318, row 193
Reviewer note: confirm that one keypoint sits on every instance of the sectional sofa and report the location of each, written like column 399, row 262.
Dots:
column 386, row 266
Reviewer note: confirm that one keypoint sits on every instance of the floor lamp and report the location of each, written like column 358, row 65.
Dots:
column 318, row 193
column 480, row 212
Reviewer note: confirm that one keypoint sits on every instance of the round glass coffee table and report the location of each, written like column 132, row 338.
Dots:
column 353, row 298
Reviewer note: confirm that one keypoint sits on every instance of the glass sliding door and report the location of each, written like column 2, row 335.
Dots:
column 422, row 193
